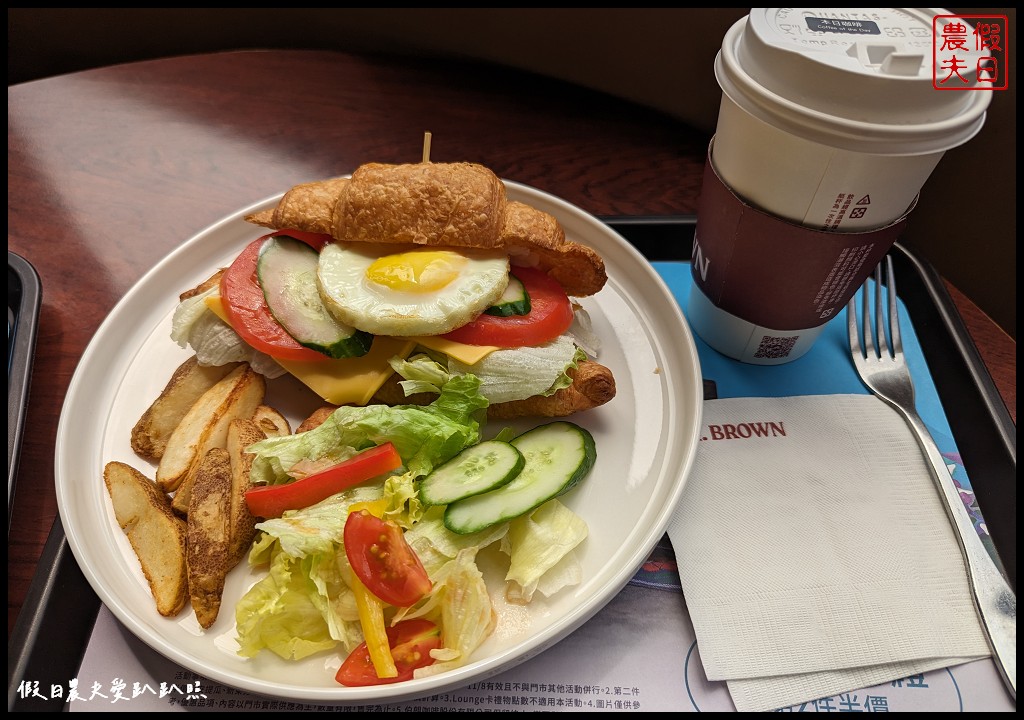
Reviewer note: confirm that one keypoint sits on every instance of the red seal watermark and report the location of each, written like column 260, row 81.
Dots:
column 970, row 51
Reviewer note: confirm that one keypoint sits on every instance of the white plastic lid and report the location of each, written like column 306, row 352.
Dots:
column 860, row 79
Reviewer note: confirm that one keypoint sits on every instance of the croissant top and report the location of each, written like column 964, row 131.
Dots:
column 439, row 204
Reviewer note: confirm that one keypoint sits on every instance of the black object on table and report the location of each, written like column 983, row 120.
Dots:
column 24, row 297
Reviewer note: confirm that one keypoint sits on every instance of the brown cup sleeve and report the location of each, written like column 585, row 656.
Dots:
column 773, row 272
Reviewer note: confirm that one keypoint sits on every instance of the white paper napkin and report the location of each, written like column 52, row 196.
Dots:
column 814, row 552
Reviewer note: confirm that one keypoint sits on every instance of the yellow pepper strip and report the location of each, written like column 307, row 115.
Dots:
column 374, row 507
column 371, row 618
column 371, row 610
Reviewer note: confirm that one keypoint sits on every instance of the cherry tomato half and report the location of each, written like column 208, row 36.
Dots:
column 247, row 308
column 270, row 501
column 411, row 642
column 382, row 559
column 550, row 315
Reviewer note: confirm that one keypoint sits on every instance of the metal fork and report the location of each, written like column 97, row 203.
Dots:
column 885, row 373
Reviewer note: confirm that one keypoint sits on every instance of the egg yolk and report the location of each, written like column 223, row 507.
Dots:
column 418, row 271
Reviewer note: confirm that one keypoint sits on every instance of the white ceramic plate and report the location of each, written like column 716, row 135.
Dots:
column 646, row 438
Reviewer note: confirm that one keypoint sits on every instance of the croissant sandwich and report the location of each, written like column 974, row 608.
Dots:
column 379, row 287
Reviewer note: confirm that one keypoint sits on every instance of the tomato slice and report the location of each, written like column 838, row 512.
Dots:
column 314, row 240
column 550, row 315
column 382, row 559
column 411, row 642
column 270, row 501
column 247, row 308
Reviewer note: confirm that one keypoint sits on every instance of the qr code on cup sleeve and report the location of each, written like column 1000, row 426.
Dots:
column 773, row 347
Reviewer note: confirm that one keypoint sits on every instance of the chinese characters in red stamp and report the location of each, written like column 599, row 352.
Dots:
column 970, row 52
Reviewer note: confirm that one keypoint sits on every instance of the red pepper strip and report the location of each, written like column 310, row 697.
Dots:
column 270, row 501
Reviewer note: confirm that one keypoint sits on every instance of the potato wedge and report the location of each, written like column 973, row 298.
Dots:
column 156, row 535
column 271, row 422
column 188, row 383
column 205, row 425
column 316, row 418
column 183, row 495
column 242, row 524
column 208, row 534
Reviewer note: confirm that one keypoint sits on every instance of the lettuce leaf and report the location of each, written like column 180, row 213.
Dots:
column 280, row 613
column 519, row 373
column 303, row 605
column 505, row 375
column 424, row 436
column 540, row 546
column 467, row 616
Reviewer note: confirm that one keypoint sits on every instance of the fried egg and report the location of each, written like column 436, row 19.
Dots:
column 408, row 290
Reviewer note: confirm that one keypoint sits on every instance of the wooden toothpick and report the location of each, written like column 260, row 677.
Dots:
column 426, row 147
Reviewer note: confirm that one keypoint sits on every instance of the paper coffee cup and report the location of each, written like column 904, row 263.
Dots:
column 745, row 341
column 829, row 121
column 764, row 287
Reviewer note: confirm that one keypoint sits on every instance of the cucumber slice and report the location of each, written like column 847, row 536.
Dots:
column 514, row 301
column 477, row 469
column 558, row 455
column 287, row 273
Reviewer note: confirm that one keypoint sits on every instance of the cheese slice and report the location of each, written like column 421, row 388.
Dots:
column 350, row 380
column 354, row 381
column 466, row 354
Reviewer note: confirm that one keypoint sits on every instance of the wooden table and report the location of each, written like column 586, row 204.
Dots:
column 111, row 169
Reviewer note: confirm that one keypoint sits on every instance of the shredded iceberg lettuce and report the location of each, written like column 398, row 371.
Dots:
column 540, row 546
column 519, row 373
column 467, row 616
column 303, row 605
column 213, row 340
column 582, row 331
column 436, row 545
column 505, row 375
column 279, row 613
